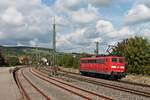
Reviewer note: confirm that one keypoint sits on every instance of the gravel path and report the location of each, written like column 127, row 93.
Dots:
column 8, row 87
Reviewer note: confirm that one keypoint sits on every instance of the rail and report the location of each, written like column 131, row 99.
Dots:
column 90, row 92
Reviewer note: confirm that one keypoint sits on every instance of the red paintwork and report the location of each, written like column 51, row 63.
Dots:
column 105, row 68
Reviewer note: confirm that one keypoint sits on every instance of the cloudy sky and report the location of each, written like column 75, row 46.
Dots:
column 79, row 23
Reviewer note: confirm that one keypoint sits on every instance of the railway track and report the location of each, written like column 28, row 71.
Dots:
column 133, row 83
column 24, row 92
column 126, row 82
column 93, row 81
column 119, row 81
column 86, row 94
column 21, row 88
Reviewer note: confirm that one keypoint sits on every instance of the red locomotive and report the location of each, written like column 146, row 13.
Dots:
column 108, row 66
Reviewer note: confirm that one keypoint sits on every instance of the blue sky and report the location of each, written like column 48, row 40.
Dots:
column 79, row 23
column 48, row 2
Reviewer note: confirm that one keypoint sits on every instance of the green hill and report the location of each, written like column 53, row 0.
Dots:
column 22, row 50
column 11, row 55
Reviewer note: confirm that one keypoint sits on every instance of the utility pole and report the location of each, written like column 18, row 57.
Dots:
column 97, row 48
column 36, row 55
column 54, row 48
column 54, row 43
column 54, row 35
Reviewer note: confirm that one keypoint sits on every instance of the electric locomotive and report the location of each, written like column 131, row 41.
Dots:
column 107, row 66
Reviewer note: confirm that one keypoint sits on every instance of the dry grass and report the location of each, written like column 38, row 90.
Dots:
column 138, row 79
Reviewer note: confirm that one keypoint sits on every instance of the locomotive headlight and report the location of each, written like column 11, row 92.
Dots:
column 113, row 66
column 122, row 67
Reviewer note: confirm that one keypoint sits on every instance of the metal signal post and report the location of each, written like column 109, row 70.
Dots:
column 97, row 48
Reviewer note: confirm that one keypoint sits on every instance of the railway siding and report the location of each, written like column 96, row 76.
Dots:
column 56, row 92
column 120, row 84
column 106, row 90
column 30, row 90
column 79, row 91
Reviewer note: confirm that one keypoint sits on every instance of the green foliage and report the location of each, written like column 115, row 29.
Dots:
column 68, row 60
column 12, row 61
column 2, row 61
column 137, row 54
column 146, row 70
column 12, row 52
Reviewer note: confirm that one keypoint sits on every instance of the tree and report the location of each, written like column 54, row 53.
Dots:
column 136, row 52
column 2, row 61
column 68, row 60
column 12, row 61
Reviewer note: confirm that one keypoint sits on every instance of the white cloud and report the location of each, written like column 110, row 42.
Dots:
column 19, row 44
column 146, row 33
column 144, row 2
column 84, row 15
column 3, row 36
column 125, row 32
column 23, row 20
column 72, row 37
column 122, row 33
column 113, row 42
column 33, row 42
column 67, row 4
column 106, row 28
column 78, row 23
column 12, row 16
column 33, row 22
column 85, row 38
column 99, row 2
column 138, row 14
column 78, row 40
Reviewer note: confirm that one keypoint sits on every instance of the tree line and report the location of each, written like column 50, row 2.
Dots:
column 136, row 51
column 68, row 60
column 2, row 60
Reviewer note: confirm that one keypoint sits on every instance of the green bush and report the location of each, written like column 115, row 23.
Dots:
column 136, row 52
column 2, row 60
column 68, row 60
column 12, row 61
column 146, row 70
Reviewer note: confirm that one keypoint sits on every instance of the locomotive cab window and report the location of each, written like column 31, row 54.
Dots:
column 84, row 61
column 92, row 61
column 114, row 59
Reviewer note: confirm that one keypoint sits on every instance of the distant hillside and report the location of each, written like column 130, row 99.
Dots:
column 22, row 50
column 25, row 55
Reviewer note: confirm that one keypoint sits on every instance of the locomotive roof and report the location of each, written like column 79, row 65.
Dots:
column 99, row 57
